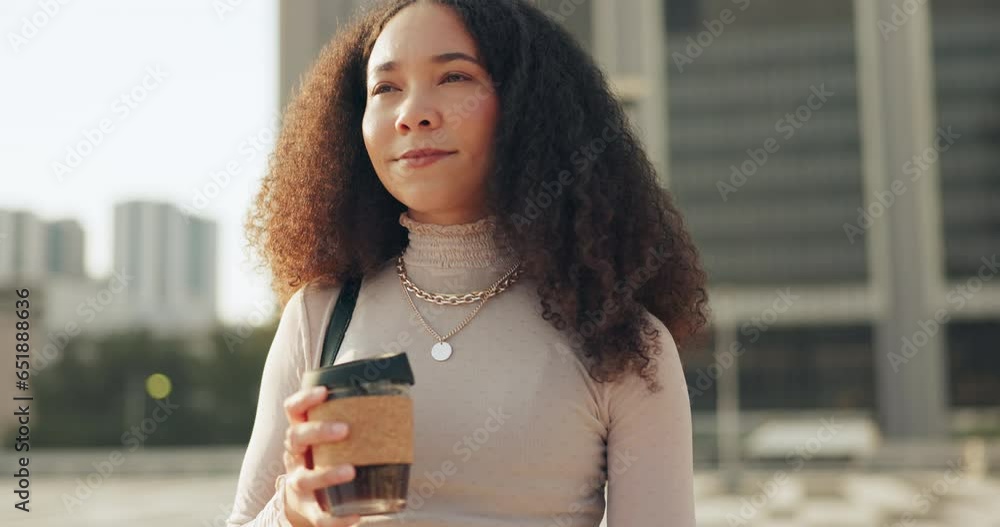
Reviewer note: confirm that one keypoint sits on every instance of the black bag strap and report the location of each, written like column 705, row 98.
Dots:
column 339, row 320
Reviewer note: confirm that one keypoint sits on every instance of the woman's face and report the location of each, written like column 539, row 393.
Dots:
column 428, row 90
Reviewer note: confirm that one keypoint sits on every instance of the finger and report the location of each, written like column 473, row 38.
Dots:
column 311, row 509
column 321, row 518
column 337, row 521
column 305, row 481
column 297, row 403
column 292, row 461
column 299, row 437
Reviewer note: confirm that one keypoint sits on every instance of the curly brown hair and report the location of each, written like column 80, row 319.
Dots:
column 573, row 191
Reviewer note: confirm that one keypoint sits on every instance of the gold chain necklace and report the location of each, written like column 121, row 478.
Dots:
column 442, row 350
column 504, row 282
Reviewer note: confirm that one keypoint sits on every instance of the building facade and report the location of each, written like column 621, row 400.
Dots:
column 170, row 260
column 837, row 164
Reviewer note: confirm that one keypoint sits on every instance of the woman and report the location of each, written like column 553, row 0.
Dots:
column 476, row 140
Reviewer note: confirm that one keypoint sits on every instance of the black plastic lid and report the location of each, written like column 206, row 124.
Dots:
column 393, row 367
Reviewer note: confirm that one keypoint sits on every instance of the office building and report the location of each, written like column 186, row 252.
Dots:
column 169, row 258
column 837, row 165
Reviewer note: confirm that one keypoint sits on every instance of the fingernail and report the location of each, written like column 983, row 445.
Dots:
column 345, row 471
column 319, row 390
column 338, row 428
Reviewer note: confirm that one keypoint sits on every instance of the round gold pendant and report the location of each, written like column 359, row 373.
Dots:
column 441, row 351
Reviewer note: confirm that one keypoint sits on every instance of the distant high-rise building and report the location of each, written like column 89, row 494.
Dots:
column 163, row 276
column 22, row 246
column 64, row 248
column 169, row 258
column 32, row 249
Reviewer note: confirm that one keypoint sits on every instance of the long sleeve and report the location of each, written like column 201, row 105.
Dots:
column 260, row 489
column 650, row 461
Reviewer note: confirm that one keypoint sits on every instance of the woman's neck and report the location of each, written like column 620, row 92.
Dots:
column 462, row 245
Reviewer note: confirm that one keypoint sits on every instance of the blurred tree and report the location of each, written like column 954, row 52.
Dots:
column 95, row 395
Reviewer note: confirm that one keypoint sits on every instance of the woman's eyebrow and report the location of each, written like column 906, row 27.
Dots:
column 436, row 59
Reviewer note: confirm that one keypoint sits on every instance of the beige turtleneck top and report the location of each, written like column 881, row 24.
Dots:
column 509, row 431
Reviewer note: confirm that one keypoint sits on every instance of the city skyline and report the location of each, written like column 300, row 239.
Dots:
column 169, row 260
column 185, row 113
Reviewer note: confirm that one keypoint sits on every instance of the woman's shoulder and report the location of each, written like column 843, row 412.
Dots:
column 316, row 298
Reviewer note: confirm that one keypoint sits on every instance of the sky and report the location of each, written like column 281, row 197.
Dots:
column 103, row 101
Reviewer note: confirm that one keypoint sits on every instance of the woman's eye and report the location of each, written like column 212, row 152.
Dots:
column 458, row 76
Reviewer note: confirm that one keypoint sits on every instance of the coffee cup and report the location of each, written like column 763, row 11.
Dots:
column 373, row 397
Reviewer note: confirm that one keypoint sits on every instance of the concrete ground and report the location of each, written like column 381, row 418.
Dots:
column 195, row 487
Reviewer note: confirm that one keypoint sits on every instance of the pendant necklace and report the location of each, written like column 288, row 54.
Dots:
column 442, row 350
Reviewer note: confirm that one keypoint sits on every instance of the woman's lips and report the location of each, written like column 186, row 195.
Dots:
column 423, row 161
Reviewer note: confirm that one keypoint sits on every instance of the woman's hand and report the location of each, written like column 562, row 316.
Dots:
column 302, row 480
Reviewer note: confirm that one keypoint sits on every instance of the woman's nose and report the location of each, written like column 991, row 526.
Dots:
column 418, row 115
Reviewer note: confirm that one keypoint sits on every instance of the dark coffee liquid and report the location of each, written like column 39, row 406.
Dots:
column 375, row 489
column 382, row 472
